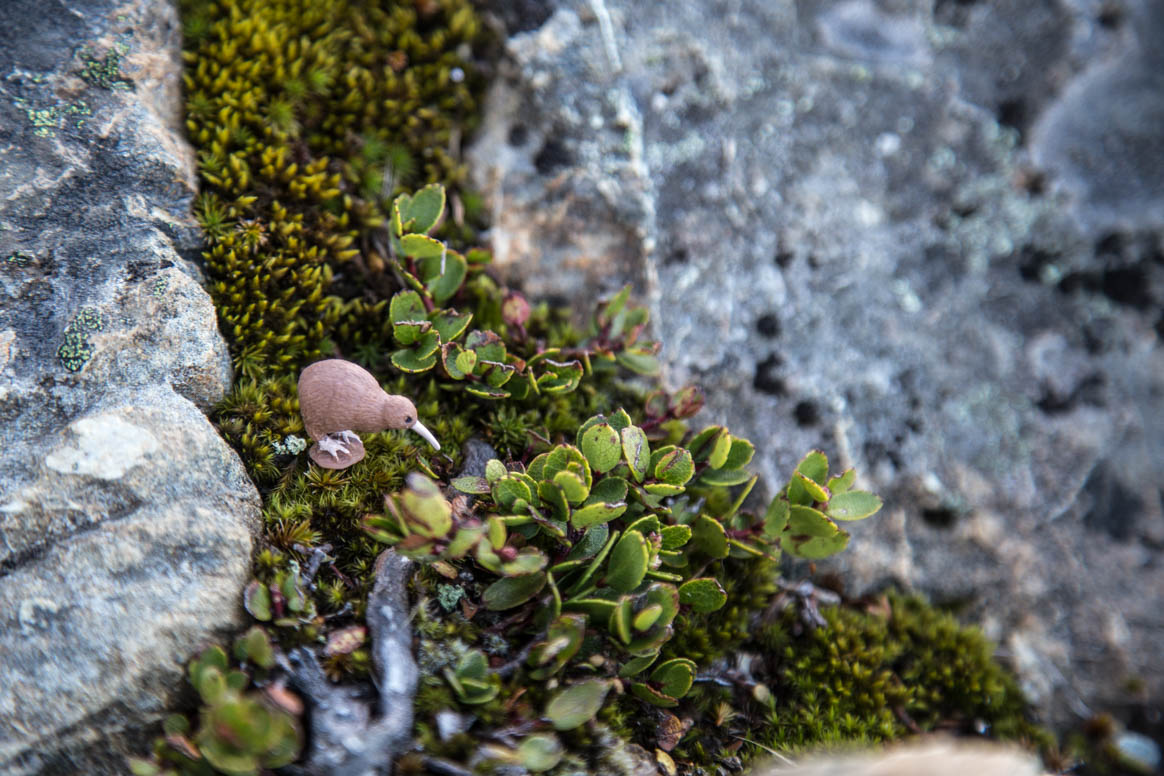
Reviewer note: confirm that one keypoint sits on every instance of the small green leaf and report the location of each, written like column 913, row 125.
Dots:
column 636, row 450
column 577, row 704
column 646, row 618
column 816, row 547
column 853, row 505
column 560, row 377
column 740, row 454
column 596, row 514
column 619, row 420
column 494, row 470
column 487, row 345
column 601, row 446
column 620, row 620
column 815, row 466
column 646, row 525
column 815, row 491
column 419, row 246
column 704, row 594
column 508, row 489
column 675, row 467
column 573, row 488
column 426, row 208
column 595, row 564
column 842, row 482
column 637, row 665
column 495, row 531
column 528, row 562
column 540, row 752
column 551, row 494
column 477, row 486
column 508, row 592
column 450, row 324
column 609, row 489
column 597, row 609
column 674, row 676
column 408, row 361
column 776, row 518
column 406, row 306
column 806, row 521
column 466, row 360
column 724, row 477
column 675, row 536
column 707, row 536
column 443, row 273
column 628, row 562
column 590, row 543
column 257, row 600
column 652, row 696
column 640, row 360
column 721, row 446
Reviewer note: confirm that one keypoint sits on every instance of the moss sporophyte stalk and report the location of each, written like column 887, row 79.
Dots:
column 601, row 585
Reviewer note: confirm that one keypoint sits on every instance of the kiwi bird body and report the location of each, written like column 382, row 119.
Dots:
column 338, row 398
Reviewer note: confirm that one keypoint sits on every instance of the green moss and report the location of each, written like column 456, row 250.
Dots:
column 865, row 678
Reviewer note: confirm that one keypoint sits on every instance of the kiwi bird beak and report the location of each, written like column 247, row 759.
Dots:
column 419, row 428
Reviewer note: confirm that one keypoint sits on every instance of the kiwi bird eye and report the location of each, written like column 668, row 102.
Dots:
column 407, row 418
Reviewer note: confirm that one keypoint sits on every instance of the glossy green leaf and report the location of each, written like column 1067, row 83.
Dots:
column 602, row 447
column 419, row 246
column 776, row 518
column 477, row 486
column 425, row 208
column 652, row 696
column 675, row 467
column 591, row 542
column 573, row 488
column 257, row 600
column 674, row 676
column 675, row 536
column 450, row 324
column 628, row 562
column 509, row 592
column 740, row 454
column 815, row 491
column 704, row 594
column 815, row 466
column 724, row 477
column 407, row 306
column 707, row 536
column 842, row 482
column 620, row 620
column 595, row 514
column 636, row 450
column 853, row 505
column 444, row 273
column 408, row 361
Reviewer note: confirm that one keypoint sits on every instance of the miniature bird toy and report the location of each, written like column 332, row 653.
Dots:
column 337, row 399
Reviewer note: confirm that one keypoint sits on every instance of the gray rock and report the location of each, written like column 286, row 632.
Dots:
column 126, row 523
column 850, row 246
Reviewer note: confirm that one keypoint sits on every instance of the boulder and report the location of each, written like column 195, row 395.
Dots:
column 901, row 233
column 126, row 523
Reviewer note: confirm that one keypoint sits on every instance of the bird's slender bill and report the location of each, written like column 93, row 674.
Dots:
column 419, row 428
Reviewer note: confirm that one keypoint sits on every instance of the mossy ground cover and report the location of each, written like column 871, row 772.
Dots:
column 664, row 641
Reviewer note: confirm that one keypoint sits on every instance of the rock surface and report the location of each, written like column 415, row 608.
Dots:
column 126, row 523
column 925, row 237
